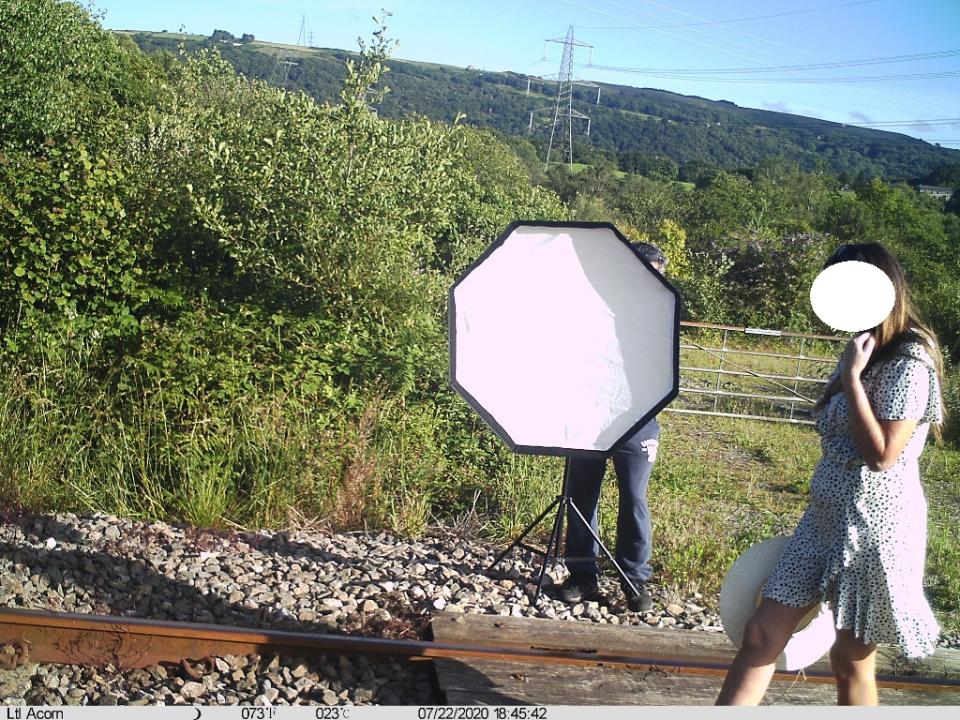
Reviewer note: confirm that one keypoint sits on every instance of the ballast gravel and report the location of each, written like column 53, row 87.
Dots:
column 306, row 580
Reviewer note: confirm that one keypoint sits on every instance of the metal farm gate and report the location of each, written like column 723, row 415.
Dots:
column 758, row 374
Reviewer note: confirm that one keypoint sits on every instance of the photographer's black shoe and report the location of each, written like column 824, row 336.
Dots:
column 579, row 588
column 639, row 601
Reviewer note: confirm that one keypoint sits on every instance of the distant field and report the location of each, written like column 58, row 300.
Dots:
column 577, row 168
column 175, row 35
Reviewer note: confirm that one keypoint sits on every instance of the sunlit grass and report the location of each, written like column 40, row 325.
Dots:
column 719, row 484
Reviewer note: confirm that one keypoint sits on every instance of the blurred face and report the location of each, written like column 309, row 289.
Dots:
column 658, row 266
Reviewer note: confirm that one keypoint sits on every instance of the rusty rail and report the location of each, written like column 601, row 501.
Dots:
column 126, row 643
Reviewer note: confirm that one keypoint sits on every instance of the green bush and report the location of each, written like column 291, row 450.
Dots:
column 63, row 76
column 71, row 246
column 277, row 271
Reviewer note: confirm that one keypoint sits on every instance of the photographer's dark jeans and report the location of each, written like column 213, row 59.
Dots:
column 633, row 549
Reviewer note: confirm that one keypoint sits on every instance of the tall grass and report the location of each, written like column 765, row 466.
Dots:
column 84, row 451
column 70, row 441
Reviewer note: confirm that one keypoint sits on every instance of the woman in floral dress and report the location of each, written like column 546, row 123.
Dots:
column 862, row 541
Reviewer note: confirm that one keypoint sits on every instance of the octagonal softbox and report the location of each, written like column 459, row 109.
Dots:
column 564, row 338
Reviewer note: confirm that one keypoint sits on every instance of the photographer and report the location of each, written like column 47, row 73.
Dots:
column 633, row 463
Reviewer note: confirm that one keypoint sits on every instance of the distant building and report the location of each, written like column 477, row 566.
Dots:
column 943, row 193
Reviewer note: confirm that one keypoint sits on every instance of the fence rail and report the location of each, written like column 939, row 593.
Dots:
column 768, row 366
column 761, row 331
column 798, row 378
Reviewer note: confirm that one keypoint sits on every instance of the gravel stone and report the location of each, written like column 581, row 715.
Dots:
column 304, row 580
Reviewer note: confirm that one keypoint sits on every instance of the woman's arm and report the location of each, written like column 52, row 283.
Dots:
column 880, row 442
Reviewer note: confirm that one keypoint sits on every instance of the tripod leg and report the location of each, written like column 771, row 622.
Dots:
column 553, row 545
column 596, row 537
column 531, row 526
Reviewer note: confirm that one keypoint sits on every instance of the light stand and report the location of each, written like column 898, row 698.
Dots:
column 561, row 502
column 565, row 339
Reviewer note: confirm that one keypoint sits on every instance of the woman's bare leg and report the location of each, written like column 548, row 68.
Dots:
column 764, row 638
column 854, row 665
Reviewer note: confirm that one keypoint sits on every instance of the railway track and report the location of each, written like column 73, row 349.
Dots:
column 128, row 643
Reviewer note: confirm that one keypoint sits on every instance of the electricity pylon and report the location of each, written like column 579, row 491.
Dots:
column 282, row 70
column 561, row 133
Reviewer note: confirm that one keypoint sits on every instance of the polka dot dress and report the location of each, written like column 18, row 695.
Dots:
column 861, row 543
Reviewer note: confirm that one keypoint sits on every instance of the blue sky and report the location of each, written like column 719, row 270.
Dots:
column 675, row 45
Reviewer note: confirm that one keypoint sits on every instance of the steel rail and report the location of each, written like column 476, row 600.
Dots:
column 126, row 643
column 746, row 396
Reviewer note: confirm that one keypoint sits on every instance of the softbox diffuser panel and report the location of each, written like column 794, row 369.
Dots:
column 563, row 338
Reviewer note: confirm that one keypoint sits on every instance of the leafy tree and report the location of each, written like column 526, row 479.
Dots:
column 672, row 240
column 697, row 172
column 591, row 208
column 730, row 205
column 704, row 290
column 62, row 75
column 953, row 204
column 658, row 167
column 494, row 189
column 529, row 155
column 598, row 178
column 769, row 281
column 563, row 182
column 791, row 200
column 947, row 175
column 219, row 36
column 646, row 204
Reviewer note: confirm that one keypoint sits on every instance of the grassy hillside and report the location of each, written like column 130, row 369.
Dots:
column 632, row 125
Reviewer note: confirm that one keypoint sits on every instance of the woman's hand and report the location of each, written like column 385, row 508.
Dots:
column 856, row 355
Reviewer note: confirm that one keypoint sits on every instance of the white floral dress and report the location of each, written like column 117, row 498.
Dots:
column 862, row 541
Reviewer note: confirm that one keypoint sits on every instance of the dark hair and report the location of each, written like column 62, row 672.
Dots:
column 651, row 253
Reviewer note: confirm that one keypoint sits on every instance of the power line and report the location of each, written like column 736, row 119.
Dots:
column 816, row 122
column 732, row 20
column 761, row 39
column 695, row 42
column 785, row 80
column 813, row 66
column 281, row 71
column 661, row 31
column 911, row 98
column 931, row 122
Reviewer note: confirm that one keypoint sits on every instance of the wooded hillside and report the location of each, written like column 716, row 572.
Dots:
column 633, row 127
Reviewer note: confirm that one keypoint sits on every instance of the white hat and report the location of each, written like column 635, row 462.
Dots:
column 740, row 596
